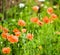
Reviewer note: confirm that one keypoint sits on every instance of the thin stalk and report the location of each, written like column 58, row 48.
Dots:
column 4, row 9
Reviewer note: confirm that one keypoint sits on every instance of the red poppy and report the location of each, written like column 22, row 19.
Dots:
column 53, row 16
column 34, row 19
column 12, row 38
column 40, row 23
column 4, row 35
column 17, row 34
column 6, row 50
column 21, row 23
column 35, row 8
column 5, row 30
column 29, row 36
column 46, row 19
column 16, row 30
column 23, row 30
column 50, row 10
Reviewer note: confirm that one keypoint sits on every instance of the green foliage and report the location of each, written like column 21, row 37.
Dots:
column 44, row 36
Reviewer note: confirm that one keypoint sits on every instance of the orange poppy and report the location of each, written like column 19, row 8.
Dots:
column 5, row 30
column 29, row 36
column 40, row 23
column 4, row 35
column 50, row 10
column 16, row 30
column 35, row 8
column 17, row 34
column 46, row 19
column 53, row 16
column 12, row 38
column 21, row 23
column 6, row 50
column 23, row 30
column 34, row 19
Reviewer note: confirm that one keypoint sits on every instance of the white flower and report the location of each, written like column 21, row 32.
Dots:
column 21, row 5
column 41, row 0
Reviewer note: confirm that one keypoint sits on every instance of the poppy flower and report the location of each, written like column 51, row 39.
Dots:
column 50, row 10
column 29, row 36
column 17, row 34
column 12, row 38
column 6, row 50
column 40, row 23
column 16, row 30
column 34, row 19
column 35, row 8
column 4, row 35
column 46, row 19
column 53, row 16
column 5, row 30
column 23, row 30
column 21, row 23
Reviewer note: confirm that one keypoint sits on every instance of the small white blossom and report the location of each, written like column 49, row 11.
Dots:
column 21, row 5
column 41, row 0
